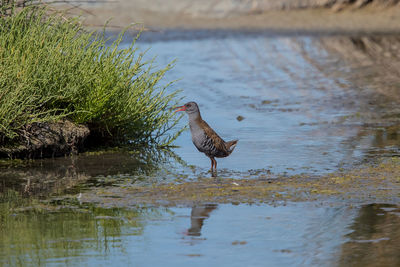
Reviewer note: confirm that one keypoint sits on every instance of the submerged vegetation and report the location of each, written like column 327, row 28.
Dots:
column 52, row 70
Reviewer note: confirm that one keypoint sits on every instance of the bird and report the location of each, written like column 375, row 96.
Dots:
column 204, row 138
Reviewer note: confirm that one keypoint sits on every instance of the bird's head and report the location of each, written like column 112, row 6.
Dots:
column 190, row 107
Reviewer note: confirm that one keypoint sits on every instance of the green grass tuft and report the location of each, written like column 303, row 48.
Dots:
column 52, row 69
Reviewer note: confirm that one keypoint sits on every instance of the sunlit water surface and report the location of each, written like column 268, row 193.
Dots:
column 304, row 108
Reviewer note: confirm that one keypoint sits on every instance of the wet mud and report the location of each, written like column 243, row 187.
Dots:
column 379, row 183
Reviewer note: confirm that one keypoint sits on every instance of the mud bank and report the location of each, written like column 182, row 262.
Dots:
column 379, row 183
column 283, row 16
column 39, row 140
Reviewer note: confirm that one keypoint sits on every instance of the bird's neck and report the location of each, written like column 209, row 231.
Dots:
column 195, row 122
column 194, row 117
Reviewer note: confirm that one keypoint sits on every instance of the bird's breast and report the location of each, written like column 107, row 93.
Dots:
column 198, row 138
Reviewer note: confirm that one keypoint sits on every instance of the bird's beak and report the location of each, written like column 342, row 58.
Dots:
column 181, row 108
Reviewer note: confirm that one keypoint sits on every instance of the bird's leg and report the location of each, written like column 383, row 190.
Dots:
column 213, row 171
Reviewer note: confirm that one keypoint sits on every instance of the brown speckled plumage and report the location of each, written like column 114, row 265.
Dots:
column 205, row 138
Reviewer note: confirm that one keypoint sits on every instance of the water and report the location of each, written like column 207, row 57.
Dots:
column 302, row 234
column 311, row 105
column 304, row 110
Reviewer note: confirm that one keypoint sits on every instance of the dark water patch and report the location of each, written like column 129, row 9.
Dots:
column 94, row 169
column 373, row 237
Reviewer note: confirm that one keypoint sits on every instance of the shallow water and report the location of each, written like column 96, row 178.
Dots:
column 292, row 235
column 310, row 105
column 305, row 109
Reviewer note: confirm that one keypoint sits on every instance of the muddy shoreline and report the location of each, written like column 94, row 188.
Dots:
column 374, row 183
column 117, row 184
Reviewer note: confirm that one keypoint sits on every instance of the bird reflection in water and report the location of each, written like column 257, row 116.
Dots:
column 198, row 215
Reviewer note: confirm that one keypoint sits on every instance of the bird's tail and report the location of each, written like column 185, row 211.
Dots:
column 230, row 146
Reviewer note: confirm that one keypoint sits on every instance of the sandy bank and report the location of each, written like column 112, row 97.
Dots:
column 282, row 16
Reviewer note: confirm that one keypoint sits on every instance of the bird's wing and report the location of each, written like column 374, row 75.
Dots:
column 218, row 142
